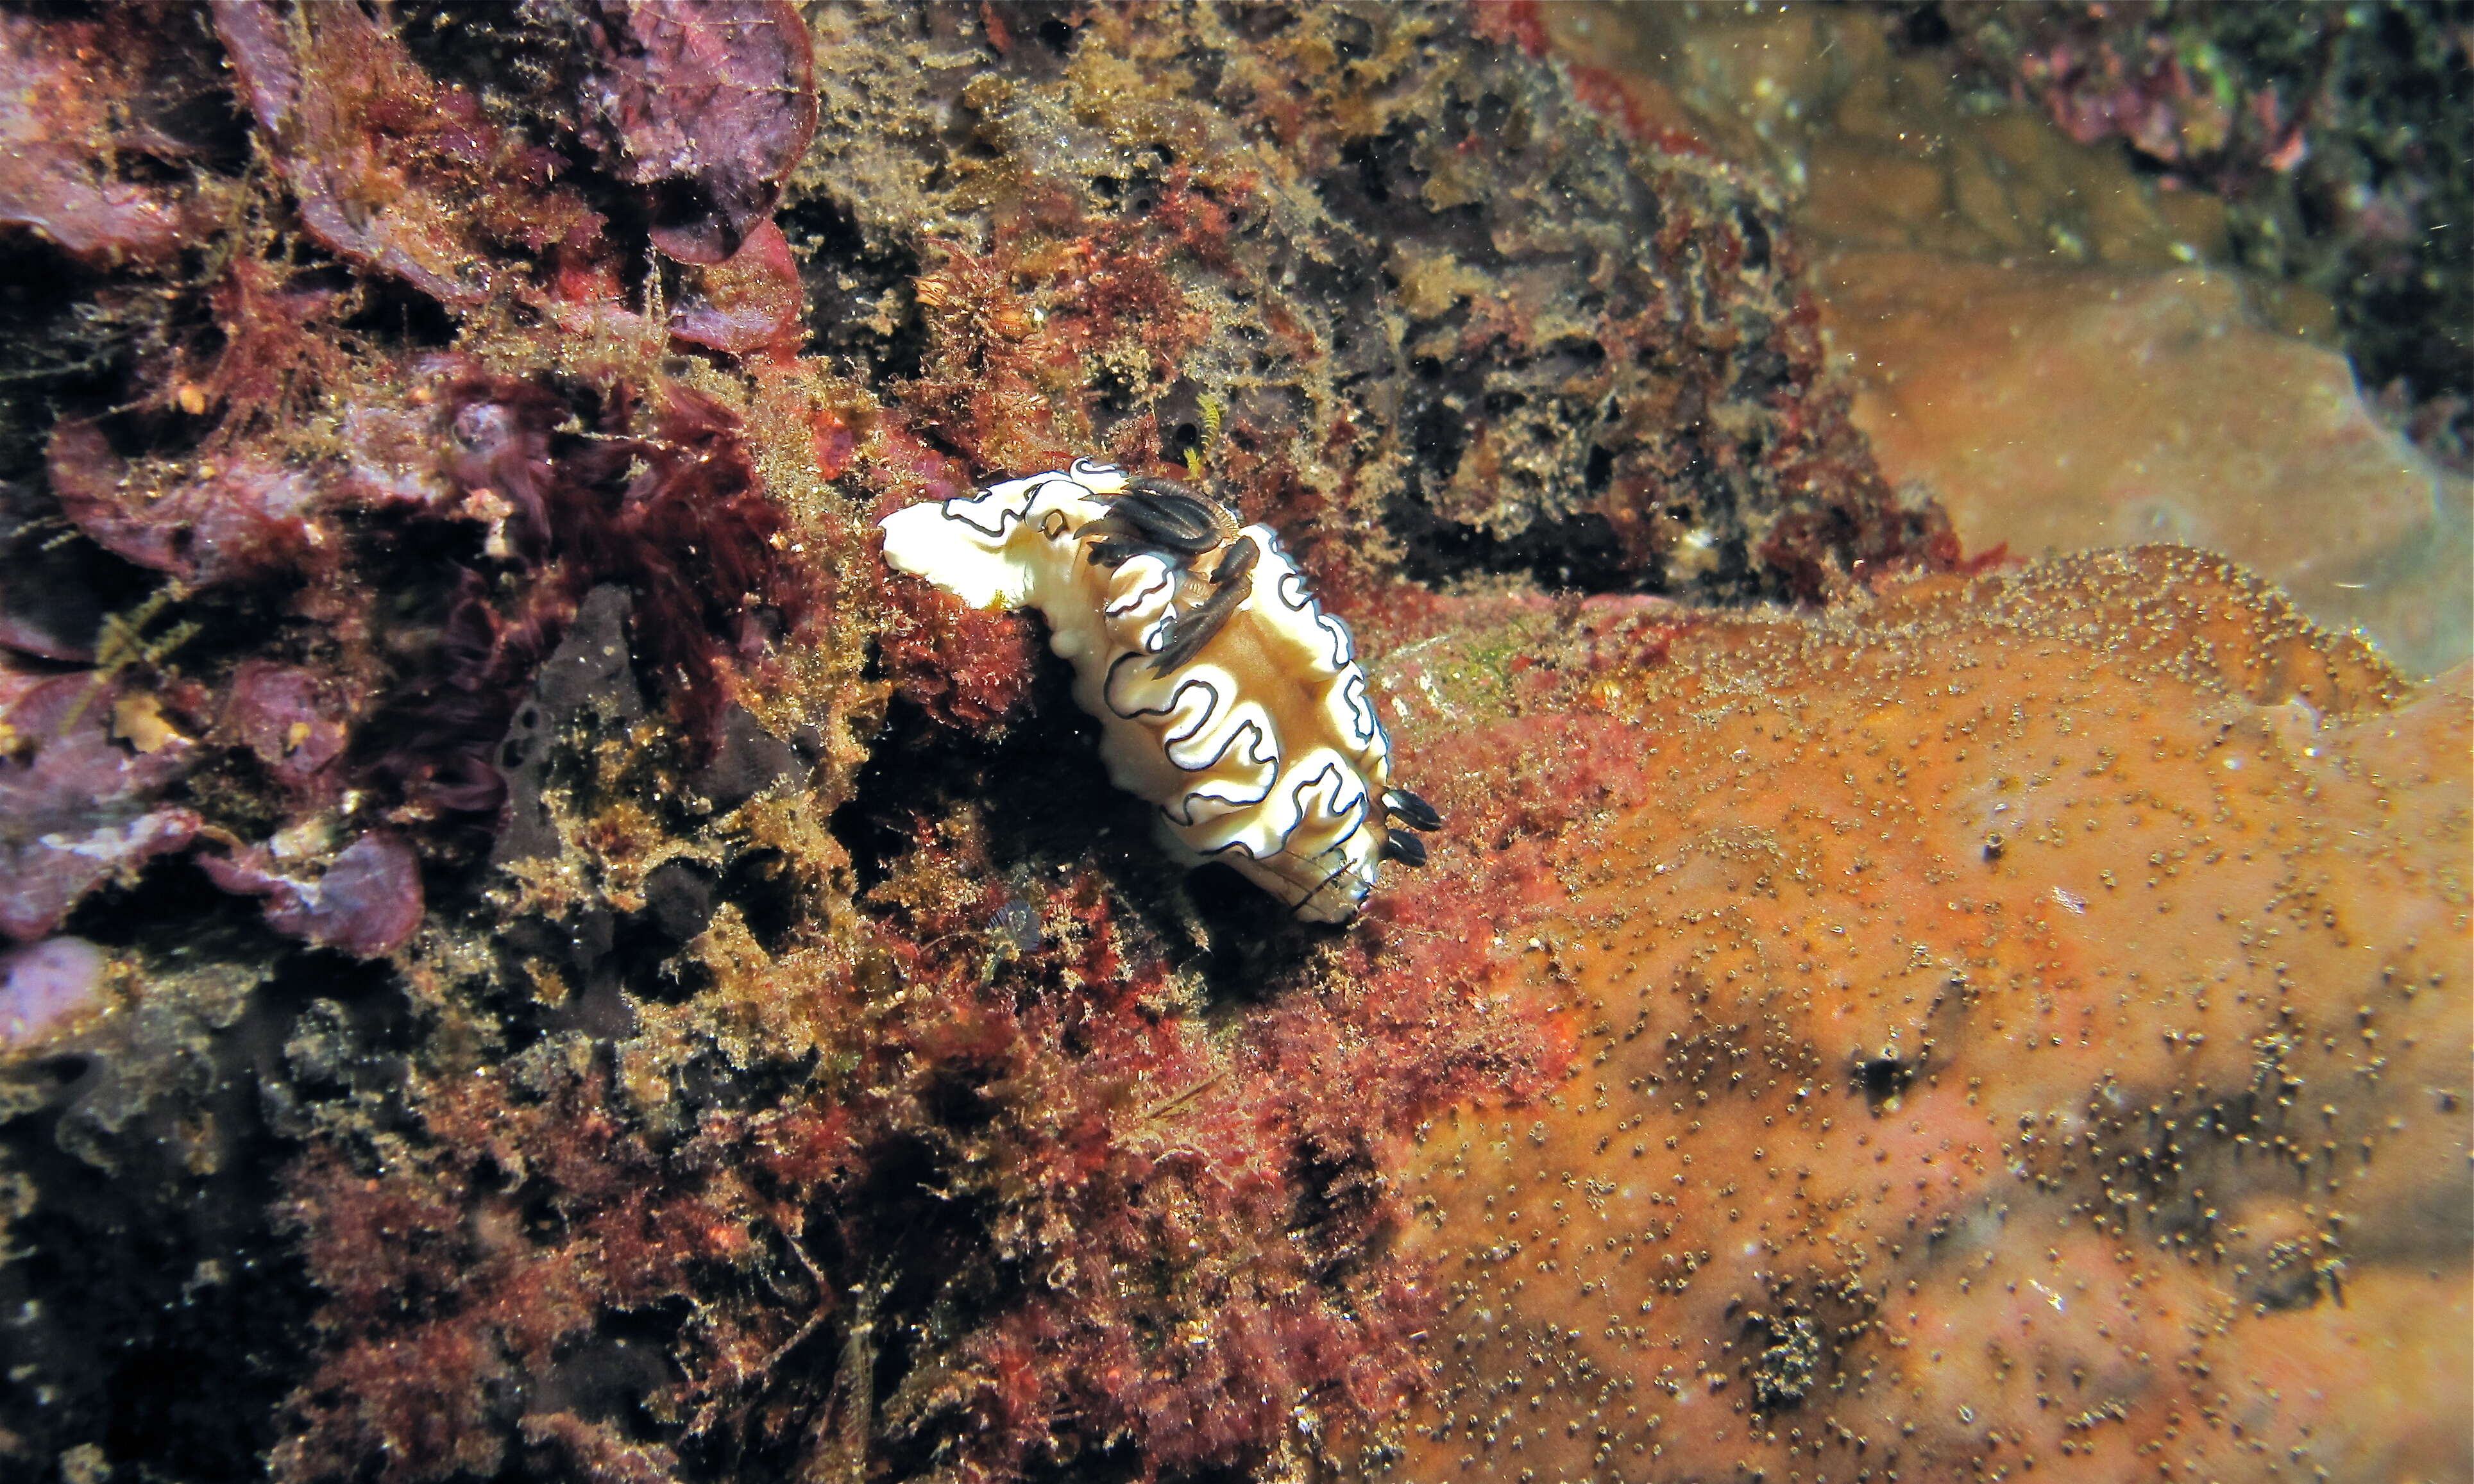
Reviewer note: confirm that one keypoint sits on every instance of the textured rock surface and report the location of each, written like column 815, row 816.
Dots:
column 2038, row 343
column 2058, row 409
column 2333, row 136
column 1389, row 281
column 560, row 1012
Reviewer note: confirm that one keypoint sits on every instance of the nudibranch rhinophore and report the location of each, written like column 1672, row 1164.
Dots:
column 1225, row 695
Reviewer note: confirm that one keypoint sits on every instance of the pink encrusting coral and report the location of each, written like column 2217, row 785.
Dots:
column 45, row 987
column 78, row 807
column 366, row 900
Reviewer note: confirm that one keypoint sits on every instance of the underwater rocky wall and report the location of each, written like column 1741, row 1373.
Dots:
column 535, row 956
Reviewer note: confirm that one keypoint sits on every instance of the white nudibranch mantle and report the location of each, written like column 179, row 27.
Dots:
column 1225, row 695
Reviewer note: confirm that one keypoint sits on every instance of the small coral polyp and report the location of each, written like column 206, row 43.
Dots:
column 1225, row 695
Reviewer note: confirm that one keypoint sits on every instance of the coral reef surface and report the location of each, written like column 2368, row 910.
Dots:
column 1392, row 285
column 2075, row 406
column 2066, row 347
column 533, row 956
column 2336, row 137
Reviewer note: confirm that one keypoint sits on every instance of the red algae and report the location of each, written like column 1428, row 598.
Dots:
column 748, row 302
column 1558, row 401
column 365, row 900
column 87, row 120
column 389, row 168
column 1134, row 1235
column 960, row 666
column 228, row 523
column 709, row 109
column 283, row 717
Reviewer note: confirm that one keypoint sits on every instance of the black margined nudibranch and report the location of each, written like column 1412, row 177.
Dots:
column 1225, row 695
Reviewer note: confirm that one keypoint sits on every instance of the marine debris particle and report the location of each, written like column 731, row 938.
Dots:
column 2135, row 1144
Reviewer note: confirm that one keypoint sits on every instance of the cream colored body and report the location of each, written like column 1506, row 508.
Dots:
column 1263, row 750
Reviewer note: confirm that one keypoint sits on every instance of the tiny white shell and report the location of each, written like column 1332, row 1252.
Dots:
column 1263, row 750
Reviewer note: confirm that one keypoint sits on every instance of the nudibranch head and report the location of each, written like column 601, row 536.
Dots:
column 1225, row 697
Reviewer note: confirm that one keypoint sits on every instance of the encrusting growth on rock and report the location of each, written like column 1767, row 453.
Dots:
column 2020, row 1026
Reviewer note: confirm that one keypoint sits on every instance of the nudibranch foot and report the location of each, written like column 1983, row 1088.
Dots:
column 1226, row 697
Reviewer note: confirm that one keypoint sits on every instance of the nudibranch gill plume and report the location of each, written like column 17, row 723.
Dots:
column 1225, row 697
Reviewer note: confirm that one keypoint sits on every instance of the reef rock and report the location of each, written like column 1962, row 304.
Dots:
column 1386, row 282
column 95, row 125
column 2058, row 408
column 2057, row 347
column 78, row 804
column 45, row 987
